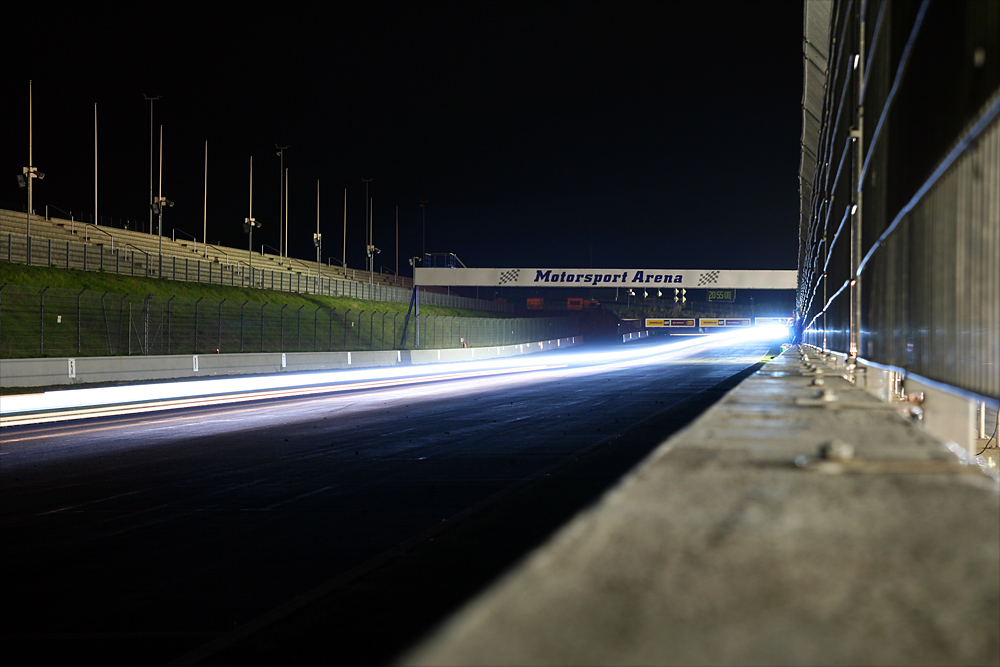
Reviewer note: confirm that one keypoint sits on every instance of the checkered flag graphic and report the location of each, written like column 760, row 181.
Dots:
column 708, row 278
column 509, row 276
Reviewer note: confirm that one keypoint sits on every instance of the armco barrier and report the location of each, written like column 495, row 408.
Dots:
column 58, row 371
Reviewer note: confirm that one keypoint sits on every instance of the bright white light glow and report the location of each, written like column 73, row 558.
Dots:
column 103, row 401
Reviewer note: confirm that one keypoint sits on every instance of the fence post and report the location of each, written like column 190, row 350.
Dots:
column 169, row 318
column 218, row 348
column 41, row 322
column 281, row 328
column 298, row 328
column 242, row 307
column 144, row 344
column 196, row 324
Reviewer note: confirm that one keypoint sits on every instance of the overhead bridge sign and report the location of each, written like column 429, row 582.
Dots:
column 549, row 277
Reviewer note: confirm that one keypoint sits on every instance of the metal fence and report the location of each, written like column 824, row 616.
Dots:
column 131, row 261
column 900, row 181
column 37, row 322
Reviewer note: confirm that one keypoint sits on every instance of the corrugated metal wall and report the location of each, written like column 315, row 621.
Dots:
column 899, row 261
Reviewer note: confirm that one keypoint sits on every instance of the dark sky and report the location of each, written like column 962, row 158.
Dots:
column 638, row 134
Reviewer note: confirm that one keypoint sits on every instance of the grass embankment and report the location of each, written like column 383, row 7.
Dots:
column 41, row 277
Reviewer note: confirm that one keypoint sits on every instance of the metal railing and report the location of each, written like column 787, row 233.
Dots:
column 19, row 249
column 86, row 233
column 175, row 231
column 899, row 261
column 37, row 322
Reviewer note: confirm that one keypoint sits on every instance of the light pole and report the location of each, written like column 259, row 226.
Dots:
column 29, row 173
column 248, row 224
column 151, row 100
column 286, row 212
column 96, row 218
column 423, row 228
column 370, row 248
column 318, row 238
column 368, row 240
column 158, row 204
column 281, row 202
column 204, row 209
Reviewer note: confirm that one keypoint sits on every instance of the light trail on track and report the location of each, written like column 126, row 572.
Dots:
column 143, row 536
column 70, row 404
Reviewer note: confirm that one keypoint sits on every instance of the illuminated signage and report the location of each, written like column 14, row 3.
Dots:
column 658, row 323
column 725, row 295
column 712, row 279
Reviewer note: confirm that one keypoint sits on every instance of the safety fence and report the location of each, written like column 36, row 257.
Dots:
column 36, row 322
column 132, row 261
column 900, row 187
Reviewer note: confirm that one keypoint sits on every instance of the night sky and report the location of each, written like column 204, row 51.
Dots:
column 570, row 134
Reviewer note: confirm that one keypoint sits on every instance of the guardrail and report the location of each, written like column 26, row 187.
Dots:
column 56, row 371
column 900, row 240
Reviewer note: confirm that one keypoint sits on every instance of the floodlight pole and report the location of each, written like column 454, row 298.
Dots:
column 423, row 228
column 248, row 224
column 151, row 100
column 371, row 243
column 29, row 174
column 318, row 238
column 204, row 209
column 368, row 243
column 286, row 212
column 30, row 171
column 160, row 202
column 281, row 202
column 95, row 164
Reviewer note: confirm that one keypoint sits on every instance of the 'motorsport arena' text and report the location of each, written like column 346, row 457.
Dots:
column 555, row 276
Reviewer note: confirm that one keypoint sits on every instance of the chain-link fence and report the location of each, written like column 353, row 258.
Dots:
column 900, row 185
column 132, row 261
column 37, row 322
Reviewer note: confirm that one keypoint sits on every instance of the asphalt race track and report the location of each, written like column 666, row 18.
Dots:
column 138, row 539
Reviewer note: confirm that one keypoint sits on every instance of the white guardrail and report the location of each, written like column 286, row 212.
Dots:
column 56, row 371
